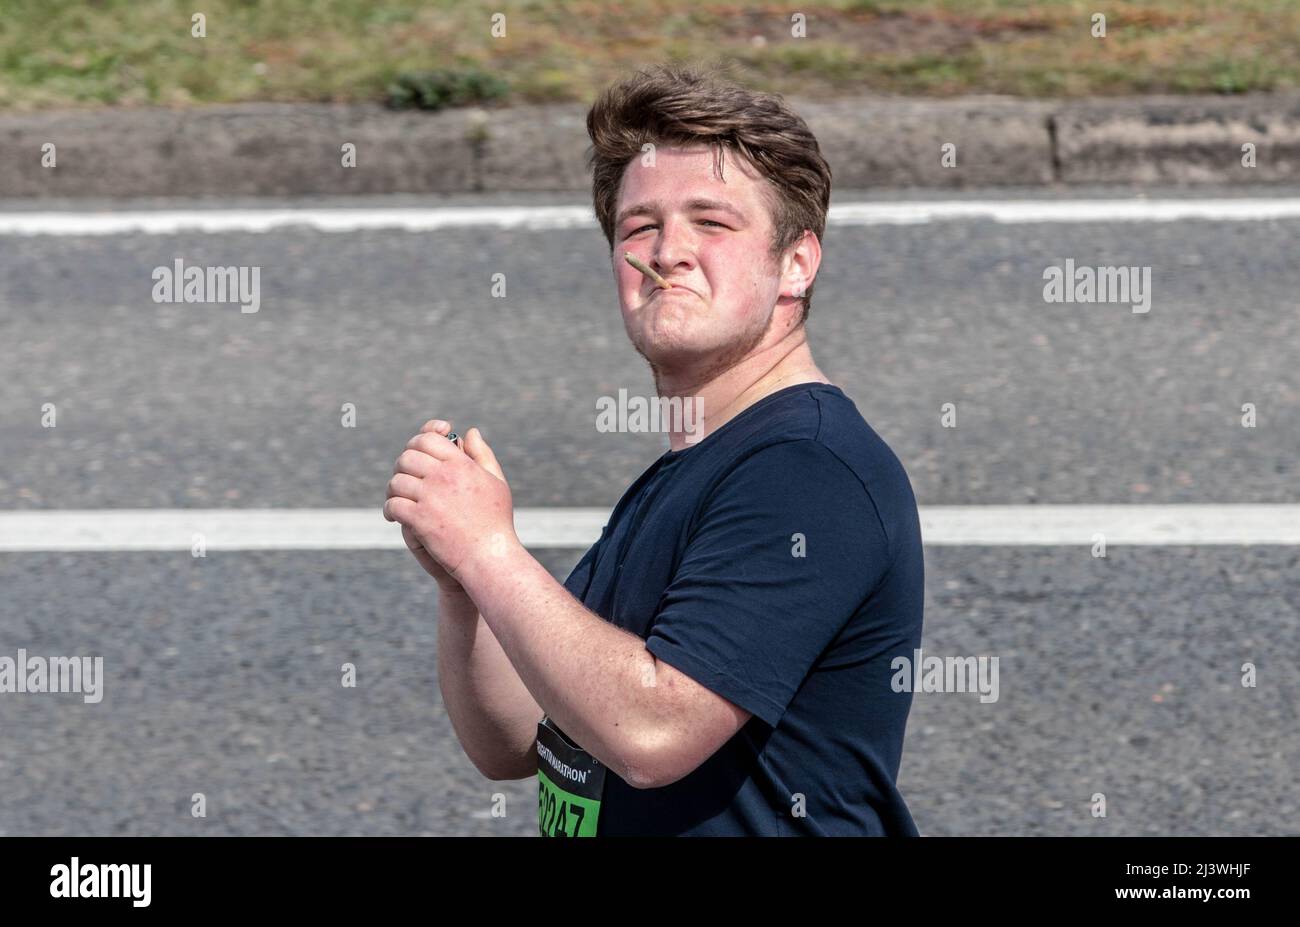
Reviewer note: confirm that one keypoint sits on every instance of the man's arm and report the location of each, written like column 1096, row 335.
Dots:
column 643, row 719
column 493, row 714
column 646, row 721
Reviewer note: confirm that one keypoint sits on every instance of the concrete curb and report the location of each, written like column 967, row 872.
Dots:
column 1179, row 140
column 296, row 149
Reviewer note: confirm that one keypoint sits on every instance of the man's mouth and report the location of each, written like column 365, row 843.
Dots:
column 677, row 288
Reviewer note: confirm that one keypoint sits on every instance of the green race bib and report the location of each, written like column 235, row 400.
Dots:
column 569, row 785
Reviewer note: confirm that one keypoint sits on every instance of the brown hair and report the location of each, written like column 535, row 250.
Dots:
column 676, row 105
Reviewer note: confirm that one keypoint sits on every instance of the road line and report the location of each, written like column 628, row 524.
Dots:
column 366, row 529
column 259, row 529
column 541, row 218
column 998, row 525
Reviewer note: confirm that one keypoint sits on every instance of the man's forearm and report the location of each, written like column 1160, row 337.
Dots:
column 492, row 712
column 595, row 680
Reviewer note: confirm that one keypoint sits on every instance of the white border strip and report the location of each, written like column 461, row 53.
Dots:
column 538, row 218
column 366, row 529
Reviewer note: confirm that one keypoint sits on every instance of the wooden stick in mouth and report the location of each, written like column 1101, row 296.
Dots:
column 627, row 255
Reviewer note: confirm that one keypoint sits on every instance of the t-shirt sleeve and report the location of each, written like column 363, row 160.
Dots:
column 787, row 548
column 580, row 576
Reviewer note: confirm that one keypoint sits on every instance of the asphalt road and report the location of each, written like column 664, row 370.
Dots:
column 1118, row 675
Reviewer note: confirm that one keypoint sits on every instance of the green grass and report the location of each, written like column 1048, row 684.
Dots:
column 56, row 53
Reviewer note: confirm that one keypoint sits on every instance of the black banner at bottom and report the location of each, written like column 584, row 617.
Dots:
column 135, row 876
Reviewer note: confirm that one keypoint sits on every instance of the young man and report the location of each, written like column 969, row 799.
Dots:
column 719, row 662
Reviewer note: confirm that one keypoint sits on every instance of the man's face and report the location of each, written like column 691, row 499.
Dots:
column 708, row 237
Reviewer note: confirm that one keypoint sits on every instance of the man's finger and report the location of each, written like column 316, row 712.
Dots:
column 399, row 509
column 436, row 425
column 412, row 542
column 481, row 454
column 416, row 463
column 406, row 486
column 434, row 445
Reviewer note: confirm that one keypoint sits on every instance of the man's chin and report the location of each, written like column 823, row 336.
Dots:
column 687, row 358
column 664, row 356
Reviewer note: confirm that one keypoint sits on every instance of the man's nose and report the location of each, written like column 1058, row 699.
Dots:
column 672, row 249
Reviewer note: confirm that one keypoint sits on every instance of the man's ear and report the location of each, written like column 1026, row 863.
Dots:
column 799, row 267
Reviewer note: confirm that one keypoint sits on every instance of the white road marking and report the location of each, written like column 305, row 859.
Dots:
column 259, row 529
column 540, row 218
column 366, row 529
column 996, row 525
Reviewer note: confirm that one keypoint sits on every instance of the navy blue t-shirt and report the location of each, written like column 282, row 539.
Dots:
column 778, row 563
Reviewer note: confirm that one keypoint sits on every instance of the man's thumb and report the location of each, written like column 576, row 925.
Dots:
column 481, row 454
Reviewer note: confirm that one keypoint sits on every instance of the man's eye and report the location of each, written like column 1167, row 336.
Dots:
column 703, row 221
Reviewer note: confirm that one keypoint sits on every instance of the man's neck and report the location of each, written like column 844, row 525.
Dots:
column 710, row 404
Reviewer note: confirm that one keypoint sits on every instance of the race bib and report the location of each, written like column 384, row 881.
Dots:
column 569, row 785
